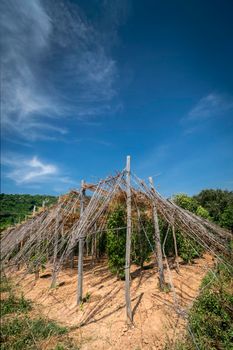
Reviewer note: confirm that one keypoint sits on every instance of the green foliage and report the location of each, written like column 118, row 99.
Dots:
column 216, row 202
column 66, row 345
column 191, row 204
column 226, row 217
column 116, row 238
column 87, row 297
column 5, row 285
column 169, row 244
column 13, row 305
column 21, row 333
column 102, row 243
column 211, row 317
column 14, row 207
column 188, row 248
column 141, row 249
column 186, row 202
column 200, row 211
column 37, row 262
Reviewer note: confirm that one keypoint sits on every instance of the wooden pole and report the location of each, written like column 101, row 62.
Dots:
column 128, row 244
column 80, row 253
column 56, row 239
column 34, row 210
column 157, row 240
column 176, row 250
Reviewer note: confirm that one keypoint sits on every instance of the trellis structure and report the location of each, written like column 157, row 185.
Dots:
column 53, row 234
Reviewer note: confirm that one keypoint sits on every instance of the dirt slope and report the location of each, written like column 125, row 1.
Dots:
column 103, row 316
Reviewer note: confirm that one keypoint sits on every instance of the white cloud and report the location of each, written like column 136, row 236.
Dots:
column 33, row 170
column 207, row 108
column 34, row 173
column 55, row 63
column 210, row 106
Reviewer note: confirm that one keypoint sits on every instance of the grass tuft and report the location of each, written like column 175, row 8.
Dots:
column 13, row 305
column 24, row 333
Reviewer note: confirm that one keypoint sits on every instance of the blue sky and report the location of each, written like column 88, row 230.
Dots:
column 85, row 83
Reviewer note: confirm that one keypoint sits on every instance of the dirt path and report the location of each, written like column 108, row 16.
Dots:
column 103, row 316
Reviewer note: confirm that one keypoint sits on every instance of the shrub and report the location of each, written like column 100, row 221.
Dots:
column 21, row 333
column 141, row 249
column 211, row 317
column 5, row 285
column 188, row 248
column 116, row 238
column 13, row 304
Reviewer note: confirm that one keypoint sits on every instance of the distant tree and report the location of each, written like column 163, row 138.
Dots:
column 14, row 207
column 226, row 218
column 203, row 212
column 186, row 202
column 215, row 201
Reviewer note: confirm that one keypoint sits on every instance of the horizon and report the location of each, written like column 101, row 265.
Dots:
column 86, row 83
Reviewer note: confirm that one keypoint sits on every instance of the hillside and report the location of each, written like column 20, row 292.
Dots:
column 14, row 207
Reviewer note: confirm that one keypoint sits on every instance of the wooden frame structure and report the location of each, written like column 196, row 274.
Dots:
column 57, row 231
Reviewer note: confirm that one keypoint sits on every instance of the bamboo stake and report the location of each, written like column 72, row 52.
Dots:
column 176, row 250
column 128, row 244
column 157, row 240
column 80, row 253
column 54, row 274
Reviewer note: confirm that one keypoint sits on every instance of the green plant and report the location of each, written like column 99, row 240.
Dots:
column 203, row 212
column 216, row 202
column 116, row 238
column 21, row 333
column 13, row 304
column 211, row 317
column 188, row 248
column 141, row 249
column 5, row 285
column 86, row 298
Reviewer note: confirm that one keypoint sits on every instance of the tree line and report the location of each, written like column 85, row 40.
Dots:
column 14, row 207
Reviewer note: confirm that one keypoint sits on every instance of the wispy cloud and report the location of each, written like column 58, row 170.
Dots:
column 207, row 108
column 210, row 106
column 32, row 171
column 55, row 64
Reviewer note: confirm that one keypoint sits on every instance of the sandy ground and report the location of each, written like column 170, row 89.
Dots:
column 103, row 317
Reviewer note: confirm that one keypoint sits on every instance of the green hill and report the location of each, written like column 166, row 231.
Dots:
column 14, row 207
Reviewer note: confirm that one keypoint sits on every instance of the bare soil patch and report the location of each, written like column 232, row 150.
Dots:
column 100, row 323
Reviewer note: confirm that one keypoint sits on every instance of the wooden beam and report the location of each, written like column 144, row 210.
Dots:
column 157, row 240
column 56, row 239
column 128, row 245
column 176, row 250
column 80, row 253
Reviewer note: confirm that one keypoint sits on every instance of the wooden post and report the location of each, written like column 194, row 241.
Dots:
column 176, row 250
column 87, row 246
column 157, row 241
column 128, row 245
column 56, row 239
column 72, row 259
column 93, row 247
column 80, row 253
column 95, row 242
column 34, row 210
